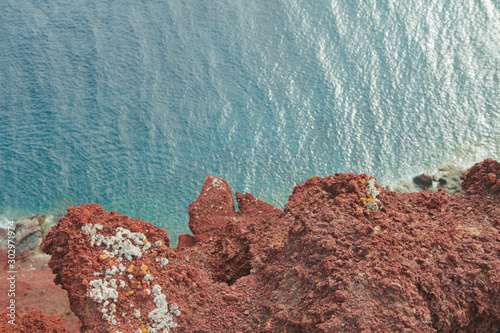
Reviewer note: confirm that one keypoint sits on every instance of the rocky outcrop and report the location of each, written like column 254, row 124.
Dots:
column 424, row 181
column 344, row 255
column 35, row 288
column 483, row 179
column 31, row 322
column 217, row 198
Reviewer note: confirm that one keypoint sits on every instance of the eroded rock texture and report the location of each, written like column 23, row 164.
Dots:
column 33, row 321
column 344, row 255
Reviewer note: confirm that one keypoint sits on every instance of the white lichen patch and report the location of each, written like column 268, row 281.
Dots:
column 373, row 189
column 102, row 290
column 92, row 228
column 175, row 309
column 372, row 202
column 111, row 271
column 156, row 290
column 163, row 261
column 163, row 317
column 126, row 245
column 123, row 244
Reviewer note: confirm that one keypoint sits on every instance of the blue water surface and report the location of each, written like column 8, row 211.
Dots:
column 130, row 103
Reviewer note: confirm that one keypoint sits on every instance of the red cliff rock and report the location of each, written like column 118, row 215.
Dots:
column 344, row 255
column 35, row 288
column 213, row 209
column 31, row 322
column 482, row 179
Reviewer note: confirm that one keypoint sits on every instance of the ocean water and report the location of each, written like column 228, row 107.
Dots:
column 130, row 103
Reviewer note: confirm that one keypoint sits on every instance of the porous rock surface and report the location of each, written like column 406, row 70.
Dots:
column 344, row 255
column 33, row 321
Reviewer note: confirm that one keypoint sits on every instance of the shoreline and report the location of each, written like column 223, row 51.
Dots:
column 231, row 251
column 445, row 177
column 450, row 172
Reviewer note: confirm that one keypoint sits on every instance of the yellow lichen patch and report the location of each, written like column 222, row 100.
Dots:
column 144, row 268
column 362, row 180
column 144, row 329
column 129, row 293
column 144, row 241
column 130, row 268
column 103, row 256
column 365, row 200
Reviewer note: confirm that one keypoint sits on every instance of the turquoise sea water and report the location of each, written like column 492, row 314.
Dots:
column 130, row 103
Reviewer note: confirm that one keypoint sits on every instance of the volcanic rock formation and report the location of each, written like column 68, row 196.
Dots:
column 344, row 255
column 31, row 322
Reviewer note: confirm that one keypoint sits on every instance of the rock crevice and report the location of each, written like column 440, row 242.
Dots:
column 329, row 262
